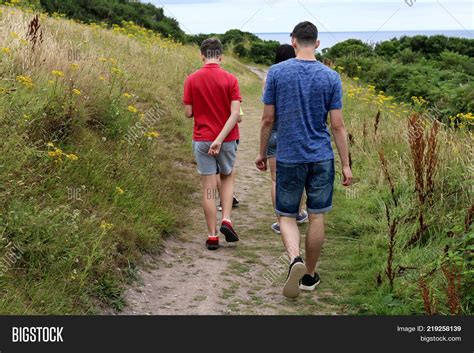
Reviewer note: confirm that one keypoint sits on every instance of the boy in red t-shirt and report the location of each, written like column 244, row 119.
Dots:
column 212, row 97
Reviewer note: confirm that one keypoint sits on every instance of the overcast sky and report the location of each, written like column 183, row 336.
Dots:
column 267, row 16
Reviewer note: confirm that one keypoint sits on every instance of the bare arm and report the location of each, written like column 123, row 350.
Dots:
column 241, row 114
column 340, row 137
column 268, row 119
column 188, row 111
column 229, row 125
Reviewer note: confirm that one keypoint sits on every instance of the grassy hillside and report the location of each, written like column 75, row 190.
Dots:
column 110, row 12
column 95, row 163
column 96, row 168
column 403, row 232
column 92, row 148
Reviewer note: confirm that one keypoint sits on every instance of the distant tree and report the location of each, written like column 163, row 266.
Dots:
column 388, row 48
column 349, row 48
column 241, row 50
column 408, row 56
column 450, row 60
column 263, row 52
column 236, row 36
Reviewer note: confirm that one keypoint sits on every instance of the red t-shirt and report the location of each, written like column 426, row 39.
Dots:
column 210, row 91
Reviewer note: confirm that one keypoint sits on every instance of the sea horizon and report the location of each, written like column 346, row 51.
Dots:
column 328, row 39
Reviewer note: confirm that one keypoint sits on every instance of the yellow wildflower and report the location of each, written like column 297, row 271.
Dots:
column 57, row 153
column 105, row 226
column 418, row 100
column 132, row 109
column 127, row 95
column 6, row 50
column 57, row 73
column 119, row 190
column 72, row 157
column 76, row 92
column 116, row 71
column 25, row 81
column 152, row 134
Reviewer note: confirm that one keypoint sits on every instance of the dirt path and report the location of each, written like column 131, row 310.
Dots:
column 245, row 278
column 259, row 72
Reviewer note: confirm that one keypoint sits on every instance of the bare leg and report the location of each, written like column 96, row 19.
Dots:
column 209, row 192
column 218, row 176
column 291, row 236
column 227, row 194
column 301, row 203
column 272, row 163
column 314, row 241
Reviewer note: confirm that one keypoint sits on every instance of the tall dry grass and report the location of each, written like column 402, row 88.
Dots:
column 414, row 178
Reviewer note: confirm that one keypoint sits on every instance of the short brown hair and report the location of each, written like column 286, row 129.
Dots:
column 305, row 33
column 211, row 48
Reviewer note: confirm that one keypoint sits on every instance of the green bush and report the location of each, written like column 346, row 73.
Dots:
column 438, row 68
column 263, row 53
column 351, row 48
column 241, row 50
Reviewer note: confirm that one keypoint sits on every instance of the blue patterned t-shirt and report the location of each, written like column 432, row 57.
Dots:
column 303, row 93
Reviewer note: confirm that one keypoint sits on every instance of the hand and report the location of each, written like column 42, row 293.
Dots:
column 261, row 162
column 347, row 176
column 215, row 148
column 239, row 120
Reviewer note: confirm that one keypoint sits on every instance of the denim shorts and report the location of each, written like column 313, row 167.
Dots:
column 223, row 163
column 318, row 180
column 272, row 145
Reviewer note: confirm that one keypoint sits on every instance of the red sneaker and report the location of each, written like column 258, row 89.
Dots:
column 212, row 243
column 228, row 231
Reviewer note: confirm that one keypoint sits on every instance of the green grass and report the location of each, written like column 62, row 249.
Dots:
column 358, row 229
column 81, row 225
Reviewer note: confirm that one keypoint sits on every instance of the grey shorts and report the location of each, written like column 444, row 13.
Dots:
column 223, row 163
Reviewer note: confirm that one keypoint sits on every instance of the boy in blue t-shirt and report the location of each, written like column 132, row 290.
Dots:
column 299, row 94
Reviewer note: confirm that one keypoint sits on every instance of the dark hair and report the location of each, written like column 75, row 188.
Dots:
column 305, row 33
column 211, row 48
column 284, row 52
